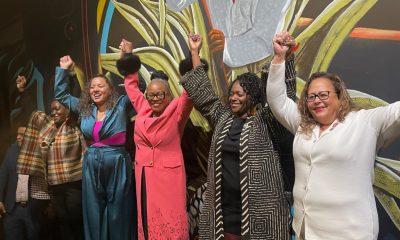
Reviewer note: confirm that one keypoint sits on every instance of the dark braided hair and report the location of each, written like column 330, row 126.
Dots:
column 251, row 86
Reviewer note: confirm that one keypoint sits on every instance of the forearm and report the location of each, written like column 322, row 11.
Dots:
column 185, row 106
column 131, row 82
column 195, row 58
column 200, row 91
column 283, row 108
column 61, row 90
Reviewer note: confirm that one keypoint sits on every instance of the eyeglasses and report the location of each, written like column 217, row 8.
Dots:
column 159, row 95
column 321, row 95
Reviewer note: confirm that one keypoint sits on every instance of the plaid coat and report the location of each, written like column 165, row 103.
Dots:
column 51, row 152
column 265, row 209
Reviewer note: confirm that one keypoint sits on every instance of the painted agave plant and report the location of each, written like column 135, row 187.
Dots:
column 165, row 34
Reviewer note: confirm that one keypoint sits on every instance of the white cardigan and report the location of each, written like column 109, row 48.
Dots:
column 333, row 193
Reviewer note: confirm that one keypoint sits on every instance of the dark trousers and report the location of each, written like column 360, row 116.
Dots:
column 67, row 202
column 38, row 209
column 18, row 224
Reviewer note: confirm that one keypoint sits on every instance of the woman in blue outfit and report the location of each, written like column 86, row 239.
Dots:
column 107, row 176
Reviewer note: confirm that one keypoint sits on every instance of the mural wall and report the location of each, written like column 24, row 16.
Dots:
column 358, row 39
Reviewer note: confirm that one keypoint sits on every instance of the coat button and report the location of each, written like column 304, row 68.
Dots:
column 151, row 163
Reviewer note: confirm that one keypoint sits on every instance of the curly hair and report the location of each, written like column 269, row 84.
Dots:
column 346, row 104
column 250, row 83
column 86, row 103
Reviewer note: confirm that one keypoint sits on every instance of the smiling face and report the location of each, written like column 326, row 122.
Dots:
column 238, row 100
column 323, row 111
column 100, row 91
column 59, row 113
column 158, row 96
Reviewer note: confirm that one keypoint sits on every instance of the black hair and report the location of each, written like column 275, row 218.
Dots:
column 251, row 85
column 186, row 65
column 158, row 74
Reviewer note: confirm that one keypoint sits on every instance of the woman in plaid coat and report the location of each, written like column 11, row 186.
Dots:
column 52, row 151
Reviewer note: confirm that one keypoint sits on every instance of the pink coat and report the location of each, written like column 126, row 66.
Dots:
column 158, row 152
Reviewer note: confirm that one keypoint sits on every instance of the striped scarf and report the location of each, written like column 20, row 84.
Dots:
column 50, row 152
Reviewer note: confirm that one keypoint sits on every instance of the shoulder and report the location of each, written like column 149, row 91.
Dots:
column 122, row 98
column 122, row 101
column 12, row 150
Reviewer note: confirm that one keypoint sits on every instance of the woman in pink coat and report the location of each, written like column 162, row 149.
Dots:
column 159, row 165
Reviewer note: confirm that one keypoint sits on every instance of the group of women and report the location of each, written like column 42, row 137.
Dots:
column 334, row 151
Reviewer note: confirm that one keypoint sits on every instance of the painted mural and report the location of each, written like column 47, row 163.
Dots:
column 357, row 39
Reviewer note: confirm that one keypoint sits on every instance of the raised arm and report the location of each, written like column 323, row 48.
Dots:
column 386, row 121
column 185, row 106
column 62, row 80
column 198, row 86
column 280, row 93
column 128, row 65
column 25, row 103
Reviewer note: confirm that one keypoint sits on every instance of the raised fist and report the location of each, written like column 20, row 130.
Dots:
column 21, row 83
column 194, row 42
column 125, row 46
column 66, row 62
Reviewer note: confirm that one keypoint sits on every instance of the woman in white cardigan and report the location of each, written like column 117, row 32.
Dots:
column 334, row 151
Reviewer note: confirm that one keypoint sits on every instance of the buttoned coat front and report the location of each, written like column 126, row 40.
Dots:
column 159, row 154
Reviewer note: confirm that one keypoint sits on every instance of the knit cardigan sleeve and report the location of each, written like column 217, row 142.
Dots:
column 200, row 91
column 276, row 129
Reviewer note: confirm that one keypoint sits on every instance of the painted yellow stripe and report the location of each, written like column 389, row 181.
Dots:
column 100, row 10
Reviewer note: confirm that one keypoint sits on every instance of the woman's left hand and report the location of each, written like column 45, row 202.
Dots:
column 194, row 42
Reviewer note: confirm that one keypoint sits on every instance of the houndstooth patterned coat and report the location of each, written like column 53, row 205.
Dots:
column 265, row 209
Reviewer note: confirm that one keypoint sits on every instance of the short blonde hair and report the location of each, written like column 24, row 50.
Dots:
column 346, row 104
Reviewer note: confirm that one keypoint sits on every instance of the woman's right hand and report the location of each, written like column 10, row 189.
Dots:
column 67, row 63
column 282, row 43
column 125, row 46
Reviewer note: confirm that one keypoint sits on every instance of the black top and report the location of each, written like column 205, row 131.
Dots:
column 231, row 196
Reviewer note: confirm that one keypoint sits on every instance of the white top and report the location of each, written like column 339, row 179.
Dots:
column 21, row 193
column 333, row 193
column 248, row 26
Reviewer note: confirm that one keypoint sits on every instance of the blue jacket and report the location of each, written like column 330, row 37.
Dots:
column 9, row 177
column 116, row 119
